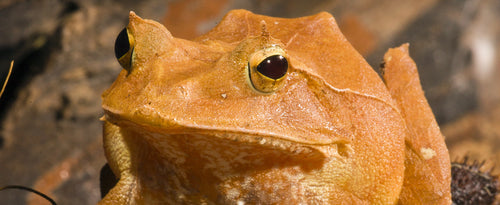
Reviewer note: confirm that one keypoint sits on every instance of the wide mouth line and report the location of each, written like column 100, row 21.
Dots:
column 221, row 132
column 262, row 135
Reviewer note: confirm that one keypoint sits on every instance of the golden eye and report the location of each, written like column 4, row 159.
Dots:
column 267, row 69
column 124, row 46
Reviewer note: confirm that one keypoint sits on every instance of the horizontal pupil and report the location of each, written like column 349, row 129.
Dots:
column 273, row 67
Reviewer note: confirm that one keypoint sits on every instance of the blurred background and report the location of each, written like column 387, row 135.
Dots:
column 50, row 135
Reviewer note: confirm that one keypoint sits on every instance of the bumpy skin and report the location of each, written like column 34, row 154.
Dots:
column 428, row 173
column 183, row 125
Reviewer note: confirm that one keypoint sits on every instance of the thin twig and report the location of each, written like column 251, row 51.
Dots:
column 7, row 79
column 30, row 190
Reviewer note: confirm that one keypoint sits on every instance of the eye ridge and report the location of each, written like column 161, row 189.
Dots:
column 274, row 67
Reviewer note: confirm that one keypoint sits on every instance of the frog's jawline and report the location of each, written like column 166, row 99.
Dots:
column 178, row 128
column 242, row 136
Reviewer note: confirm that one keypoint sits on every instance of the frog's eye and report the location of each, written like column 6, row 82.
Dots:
column 267, row 69
column 124, row 46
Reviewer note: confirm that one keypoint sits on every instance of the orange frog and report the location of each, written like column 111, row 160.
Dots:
column 264, row 110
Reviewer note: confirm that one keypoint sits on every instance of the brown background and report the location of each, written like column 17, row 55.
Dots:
column 50, row 135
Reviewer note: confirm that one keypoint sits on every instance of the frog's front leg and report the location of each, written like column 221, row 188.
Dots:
column 145, row 176
column 118, row 153
column 427, row 164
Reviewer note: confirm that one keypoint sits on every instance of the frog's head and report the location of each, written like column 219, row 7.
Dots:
column 259, row 102
column 251, row 75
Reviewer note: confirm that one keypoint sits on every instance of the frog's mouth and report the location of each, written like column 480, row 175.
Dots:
column 298, row 146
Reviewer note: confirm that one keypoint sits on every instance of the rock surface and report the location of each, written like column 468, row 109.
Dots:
column 50, row 133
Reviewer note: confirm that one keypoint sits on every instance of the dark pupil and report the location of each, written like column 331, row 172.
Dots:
column 273, row 67
column 122, row 44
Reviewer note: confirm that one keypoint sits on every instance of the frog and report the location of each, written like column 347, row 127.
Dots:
column 268, row 110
